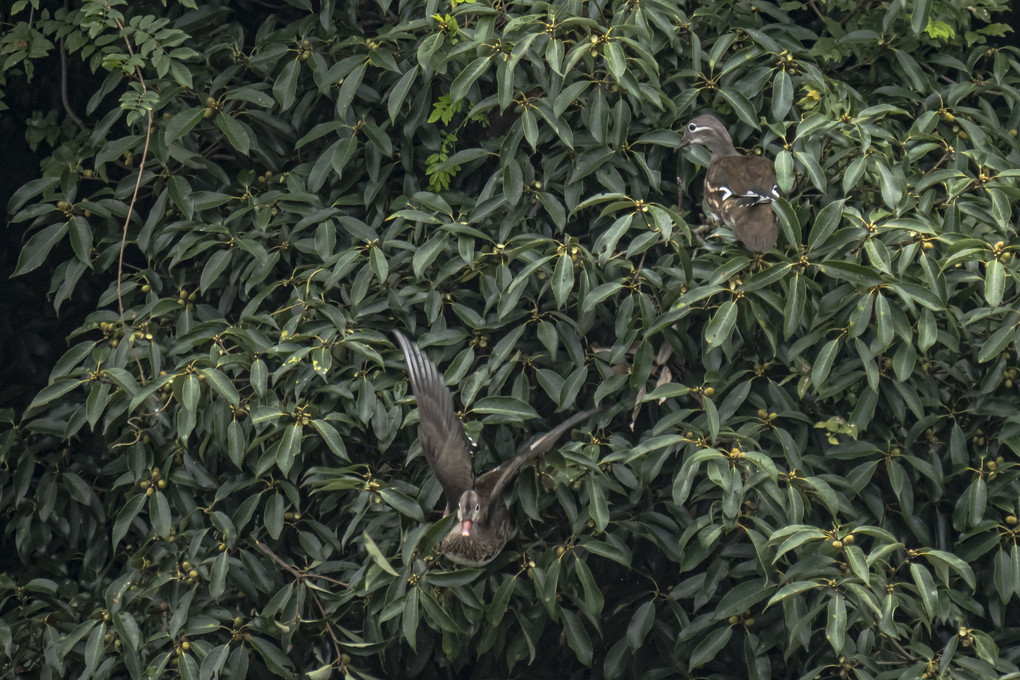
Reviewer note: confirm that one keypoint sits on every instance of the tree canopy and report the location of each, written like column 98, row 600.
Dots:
column 807, row 460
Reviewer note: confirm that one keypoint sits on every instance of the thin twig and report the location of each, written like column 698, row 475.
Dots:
column 293, row 570
column 63, row 82
column 900, row 649
column 814, row 7
column 131, row 205
column 300, row 578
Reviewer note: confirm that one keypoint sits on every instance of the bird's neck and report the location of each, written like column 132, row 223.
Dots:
column 722, row 148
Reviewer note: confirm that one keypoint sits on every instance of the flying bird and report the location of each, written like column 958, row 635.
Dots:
column 483, row 520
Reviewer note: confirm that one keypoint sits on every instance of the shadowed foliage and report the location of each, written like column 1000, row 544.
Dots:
column 807, row 461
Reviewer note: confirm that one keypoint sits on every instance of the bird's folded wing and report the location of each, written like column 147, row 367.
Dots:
column 757, row 196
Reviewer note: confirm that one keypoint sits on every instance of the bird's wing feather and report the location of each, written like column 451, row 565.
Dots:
column 443, row 440
column 743, row 174
column 492, row 483
column 739, row 188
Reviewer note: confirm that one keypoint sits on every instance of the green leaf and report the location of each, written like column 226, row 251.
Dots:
column 273, row 518
column 218, row 575
column 38, row 247
column 577, row 637
column 925, row 588
column 125, row 517
column 190, row 391
column 826, row 222
column 892, row 186
column 159, row 514
column 128, row 630
column 427, row 254
column 331, row 437
column 376, row 555
column 221, row 384
column 848, row 271
column 398, row 94
column 182, row 123
column 599, row 295
column 785, row 176
column 858, row 563
column 30, row 190
column 711, row 644
column 782, row 95
column 741, row 598
column 920, row 15
column 995, row 282
column 562, row 279
column 1002, row 574
column 285, row 87
column 94, row 649
column 530, row 125
column 835, row 625
column 401, row 503
column 615, row 59
column 823, row 362
column 500, row 600
column 511, row 407
column 719, row 328
column 290, row 446
column 466, row 78
column 996, row 343
column 53, row 391
column 640, row 624
column 598, row 508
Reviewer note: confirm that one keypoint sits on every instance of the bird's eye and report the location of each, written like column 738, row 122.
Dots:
column 478, row 507
column 692, row 127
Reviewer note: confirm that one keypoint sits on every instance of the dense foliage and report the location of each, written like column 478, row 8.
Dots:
column 807, row 465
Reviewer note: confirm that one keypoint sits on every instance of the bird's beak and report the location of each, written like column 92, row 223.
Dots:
column 465, row 527
column 683, row 142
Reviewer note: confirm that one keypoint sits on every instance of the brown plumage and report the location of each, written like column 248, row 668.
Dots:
column 484, row 524
column 739, row 190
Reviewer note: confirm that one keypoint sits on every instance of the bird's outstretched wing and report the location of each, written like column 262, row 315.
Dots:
column 491, row 484
column 443, row 440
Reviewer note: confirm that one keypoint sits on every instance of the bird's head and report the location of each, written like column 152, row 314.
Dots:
column 708, row 131
column 469, row 511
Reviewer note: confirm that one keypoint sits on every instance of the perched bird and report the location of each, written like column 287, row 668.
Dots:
column 484, row 525
column 739, row 189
